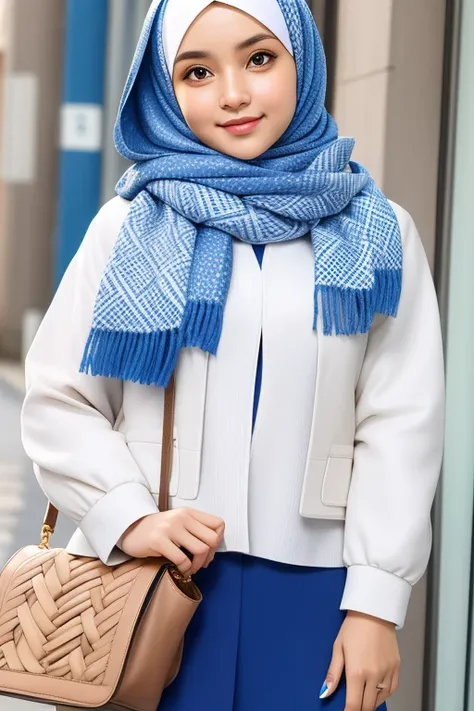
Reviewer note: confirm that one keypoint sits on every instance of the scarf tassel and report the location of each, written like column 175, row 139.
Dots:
column 202, row 325
column 345, row 312
column 150, row 358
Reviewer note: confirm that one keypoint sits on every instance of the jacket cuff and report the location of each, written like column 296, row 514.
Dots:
column 109, row 518
column 376, row 592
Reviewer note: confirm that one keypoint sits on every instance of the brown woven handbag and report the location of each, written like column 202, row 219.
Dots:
column 78, row 633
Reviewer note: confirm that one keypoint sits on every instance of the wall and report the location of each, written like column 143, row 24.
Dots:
column 362, row 77
column 413, row 131
column 388, row 83
column 389, row 80
column 5, row 6
column 3, row 23
column 33, row 64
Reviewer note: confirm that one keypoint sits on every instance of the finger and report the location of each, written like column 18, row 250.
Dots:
column 371, row 694
column 334, row 673
column 178, row 557
column 393, row 685
column 208, row 535
column 395, row 681
column 209, row 559
column 197, row 548
column 213, row 522
column 390, row 684
column 355, row 691
column 387, row 691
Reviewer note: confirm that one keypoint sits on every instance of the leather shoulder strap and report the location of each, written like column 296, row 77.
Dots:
column 51, row 516
column 167, row 447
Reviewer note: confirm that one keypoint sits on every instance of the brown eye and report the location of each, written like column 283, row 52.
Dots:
column 199, row 73
column 259, row 58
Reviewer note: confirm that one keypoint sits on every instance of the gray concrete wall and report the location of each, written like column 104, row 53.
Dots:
column 414, row 111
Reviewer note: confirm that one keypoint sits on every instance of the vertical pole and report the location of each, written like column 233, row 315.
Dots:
column 140, row 8
column 81, row 125
column 126, row 19
column 120, row 47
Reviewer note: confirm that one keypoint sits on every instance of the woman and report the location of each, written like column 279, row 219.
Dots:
column 297, row 306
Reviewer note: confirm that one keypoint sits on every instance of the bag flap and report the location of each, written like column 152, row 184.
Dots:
column 66, row 623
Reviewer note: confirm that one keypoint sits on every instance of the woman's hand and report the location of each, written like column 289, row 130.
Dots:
column 367, row 649
column 166, row 534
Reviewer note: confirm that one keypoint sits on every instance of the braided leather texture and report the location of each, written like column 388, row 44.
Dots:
column 60, row 614
column 74, row 631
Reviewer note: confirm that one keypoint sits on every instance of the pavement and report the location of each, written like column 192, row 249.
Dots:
column 22, row 503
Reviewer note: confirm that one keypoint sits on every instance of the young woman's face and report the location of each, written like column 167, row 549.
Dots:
column 238, row 69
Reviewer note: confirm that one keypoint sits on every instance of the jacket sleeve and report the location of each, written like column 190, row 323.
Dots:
column 398, row 446
column 82, row 464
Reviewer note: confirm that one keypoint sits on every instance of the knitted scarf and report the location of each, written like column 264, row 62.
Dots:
column 166, row 283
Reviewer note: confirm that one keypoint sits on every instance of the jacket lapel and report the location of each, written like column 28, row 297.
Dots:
column 191, row 384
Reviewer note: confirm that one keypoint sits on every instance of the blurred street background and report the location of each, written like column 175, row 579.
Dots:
column 401, row 81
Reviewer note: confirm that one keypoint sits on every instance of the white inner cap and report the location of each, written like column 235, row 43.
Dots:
column 180, row 15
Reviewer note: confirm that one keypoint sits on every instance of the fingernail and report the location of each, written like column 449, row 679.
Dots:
column 325, row 689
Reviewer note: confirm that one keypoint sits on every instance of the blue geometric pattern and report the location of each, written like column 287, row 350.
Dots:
column 166, row 284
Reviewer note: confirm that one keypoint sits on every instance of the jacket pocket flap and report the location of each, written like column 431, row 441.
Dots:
column 336, row 482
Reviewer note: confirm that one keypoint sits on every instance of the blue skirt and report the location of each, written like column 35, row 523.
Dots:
column 261, row 639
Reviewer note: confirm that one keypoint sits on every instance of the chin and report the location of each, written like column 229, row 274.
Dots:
column 244, row 152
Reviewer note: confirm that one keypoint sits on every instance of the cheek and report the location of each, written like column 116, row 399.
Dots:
column 278, row 94
column 197, row 106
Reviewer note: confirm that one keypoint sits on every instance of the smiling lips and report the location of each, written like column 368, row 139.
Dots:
column 241, row 126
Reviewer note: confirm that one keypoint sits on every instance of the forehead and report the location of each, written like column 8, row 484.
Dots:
column 218, row 20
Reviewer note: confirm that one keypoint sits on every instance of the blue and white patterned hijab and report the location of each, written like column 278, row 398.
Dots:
column 166, row 284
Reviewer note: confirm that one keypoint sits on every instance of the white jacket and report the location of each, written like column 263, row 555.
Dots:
column 354, row 421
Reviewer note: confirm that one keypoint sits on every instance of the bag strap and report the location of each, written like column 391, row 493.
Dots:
column 167, row 447
column 51, row 516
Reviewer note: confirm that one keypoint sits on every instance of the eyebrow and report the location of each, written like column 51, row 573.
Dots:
column 194, row 54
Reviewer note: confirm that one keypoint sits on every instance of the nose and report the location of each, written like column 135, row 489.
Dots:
column 234, row 91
